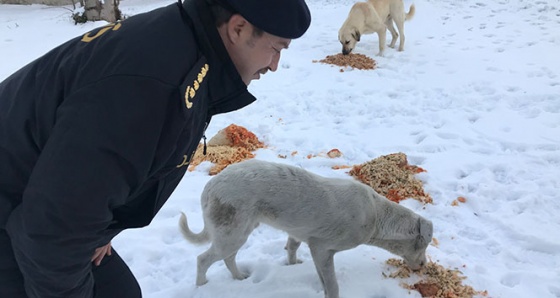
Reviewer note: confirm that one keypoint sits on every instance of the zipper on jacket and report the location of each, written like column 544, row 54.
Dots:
column 204, row 138
column 186, row 160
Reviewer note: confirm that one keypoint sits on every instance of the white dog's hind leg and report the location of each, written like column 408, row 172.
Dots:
column 324, row 263
column 225, row 244
column 204, row 261
column 292, row 247
column 228, row 240
column 231, row 264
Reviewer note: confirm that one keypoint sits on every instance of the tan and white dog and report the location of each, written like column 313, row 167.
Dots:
column 374, row 16
column 329, row 214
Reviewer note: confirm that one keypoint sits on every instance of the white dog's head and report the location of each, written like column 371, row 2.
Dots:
column 415, row 254
column 415, row 258
column 410, row 245
column 348, row 37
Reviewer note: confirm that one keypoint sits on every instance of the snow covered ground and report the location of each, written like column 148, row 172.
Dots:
column 474, row 99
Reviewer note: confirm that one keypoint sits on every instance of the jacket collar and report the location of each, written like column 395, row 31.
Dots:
column 227, row 90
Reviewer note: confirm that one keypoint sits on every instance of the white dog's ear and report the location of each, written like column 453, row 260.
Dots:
column 356, row 35
column 425, row 233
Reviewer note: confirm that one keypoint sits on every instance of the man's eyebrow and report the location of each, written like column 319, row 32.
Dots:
column 284, row 44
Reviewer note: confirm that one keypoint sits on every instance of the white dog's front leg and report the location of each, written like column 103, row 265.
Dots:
column 292, row 247
column 324, row 263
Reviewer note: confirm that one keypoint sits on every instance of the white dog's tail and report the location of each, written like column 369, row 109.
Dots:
column 199, row 238
column 411, row 12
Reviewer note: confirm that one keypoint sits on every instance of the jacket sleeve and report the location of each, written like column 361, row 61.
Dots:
column 103, row 145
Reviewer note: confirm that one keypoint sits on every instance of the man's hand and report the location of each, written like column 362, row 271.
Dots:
column 101, row 252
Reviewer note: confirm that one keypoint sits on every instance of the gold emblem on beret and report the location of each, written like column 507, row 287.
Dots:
column 190, row 93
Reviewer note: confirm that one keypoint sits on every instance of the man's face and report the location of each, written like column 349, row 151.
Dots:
column 252, row 54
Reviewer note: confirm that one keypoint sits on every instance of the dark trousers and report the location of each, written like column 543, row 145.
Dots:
column 113, row 278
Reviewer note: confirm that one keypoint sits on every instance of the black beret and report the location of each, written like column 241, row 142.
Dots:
column 284, row 18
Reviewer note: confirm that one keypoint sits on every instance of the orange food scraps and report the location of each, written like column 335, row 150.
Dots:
column 354, row 60
column 334, row 153
column 340, row 167
column 462, row 199
column 241, row 137
column 392, row 177
column 236, row 136
column 395, row 196
column 230, row 145
column 435, row 280
column 435, row 242
column 220, row 156
column 426, row 289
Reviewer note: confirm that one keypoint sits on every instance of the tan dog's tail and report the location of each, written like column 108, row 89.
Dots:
column 410, row 13
column 199, row 238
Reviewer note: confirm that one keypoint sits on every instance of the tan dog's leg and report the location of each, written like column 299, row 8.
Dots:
column 399, row 19
column 382, row 33
column 394, row 34
column 400, row 27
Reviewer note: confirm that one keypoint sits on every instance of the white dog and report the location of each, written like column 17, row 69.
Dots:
column 374, row 16
column 329, row 214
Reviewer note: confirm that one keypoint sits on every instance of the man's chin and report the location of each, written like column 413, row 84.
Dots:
column 256, row 76
column 247, row 81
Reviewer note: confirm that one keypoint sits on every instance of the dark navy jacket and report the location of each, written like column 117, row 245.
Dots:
column 96, row 134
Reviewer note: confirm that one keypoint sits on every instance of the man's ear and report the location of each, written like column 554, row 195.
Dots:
column 235, row 27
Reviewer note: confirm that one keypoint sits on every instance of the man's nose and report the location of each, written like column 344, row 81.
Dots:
column 274, row 63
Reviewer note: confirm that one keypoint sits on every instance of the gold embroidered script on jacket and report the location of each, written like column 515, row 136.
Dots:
column 87, row 37
column 190, row 93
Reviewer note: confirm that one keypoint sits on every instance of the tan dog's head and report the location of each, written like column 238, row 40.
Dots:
column 348, row 37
